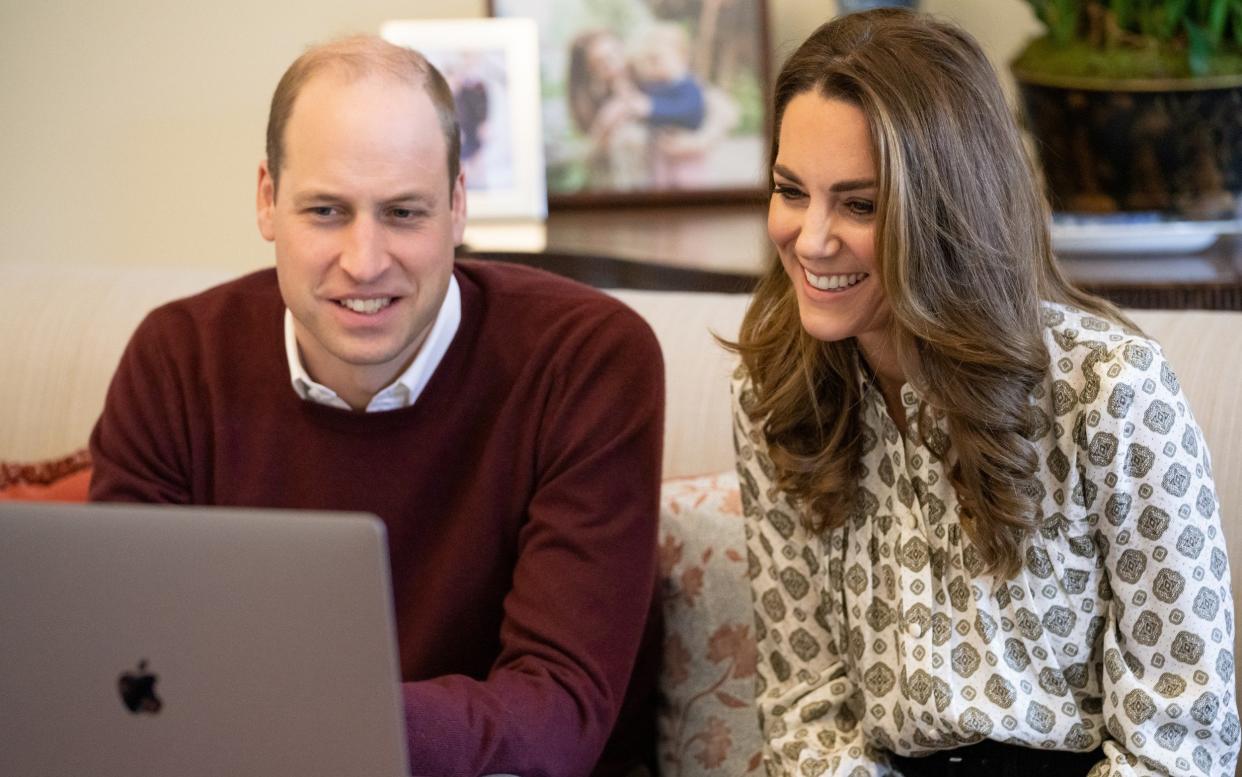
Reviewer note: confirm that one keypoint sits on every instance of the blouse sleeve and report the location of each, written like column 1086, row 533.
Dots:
column 809, row 706
column 1145, row 476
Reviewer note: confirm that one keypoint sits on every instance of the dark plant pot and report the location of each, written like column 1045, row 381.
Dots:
column 1108, row 146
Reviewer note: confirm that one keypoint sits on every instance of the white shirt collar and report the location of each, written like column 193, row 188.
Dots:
column 405, row 390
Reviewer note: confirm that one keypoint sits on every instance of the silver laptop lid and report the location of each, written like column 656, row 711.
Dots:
column 145, row 640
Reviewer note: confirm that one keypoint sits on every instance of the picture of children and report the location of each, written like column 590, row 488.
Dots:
column 671, row 96
column 646, row 96
column 479, row 83
column 687, row 118
column 649, row 120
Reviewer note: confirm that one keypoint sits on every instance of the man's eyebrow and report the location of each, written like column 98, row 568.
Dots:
column 314, row 196
column 412, row 198
column 322, row 196
column 840, row 186
column 307, row 197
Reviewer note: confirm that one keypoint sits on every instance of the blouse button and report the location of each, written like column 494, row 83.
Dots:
column 916, row 629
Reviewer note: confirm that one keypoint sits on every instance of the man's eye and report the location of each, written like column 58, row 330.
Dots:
column 407, row 214
column 322, row 211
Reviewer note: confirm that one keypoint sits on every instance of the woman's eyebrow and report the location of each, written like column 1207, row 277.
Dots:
column 840, row 186
column 849, row 186
column 785, row 172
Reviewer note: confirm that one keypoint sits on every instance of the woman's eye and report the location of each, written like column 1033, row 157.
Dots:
column 860, row 207
column 786, row 191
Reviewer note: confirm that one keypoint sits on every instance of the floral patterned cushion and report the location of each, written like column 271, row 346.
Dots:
column 64, row 479
column 708, row 723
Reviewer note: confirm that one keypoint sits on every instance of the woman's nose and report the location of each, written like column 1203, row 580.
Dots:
column 817, row 239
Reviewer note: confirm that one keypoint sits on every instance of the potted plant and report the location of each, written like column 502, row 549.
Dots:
column 1137, row 104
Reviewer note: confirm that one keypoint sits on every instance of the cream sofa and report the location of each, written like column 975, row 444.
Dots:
column 64, row 327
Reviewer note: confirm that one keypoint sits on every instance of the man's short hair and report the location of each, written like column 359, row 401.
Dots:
column 356, row 57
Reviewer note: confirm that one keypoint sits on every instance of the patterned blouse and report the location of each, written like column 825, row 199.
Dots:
column 885, row 634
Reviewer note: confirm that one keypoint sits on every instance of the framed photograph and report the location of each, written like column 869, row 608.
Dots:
column 492, row 66
column 651, row 101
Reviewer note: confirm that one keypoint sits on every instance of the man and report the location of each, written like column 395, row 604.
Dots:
column 505, row 424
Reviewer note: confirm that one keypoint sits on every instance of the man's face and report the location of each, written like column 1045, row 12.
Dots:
column 364, row 225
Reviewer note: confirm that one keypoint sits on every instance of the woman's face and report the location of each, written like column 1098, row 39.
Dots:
column 821, row 217
column 605, row 57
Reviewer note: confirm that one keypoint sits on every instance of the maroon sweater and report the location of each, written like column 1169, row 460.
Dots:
column 520, row 494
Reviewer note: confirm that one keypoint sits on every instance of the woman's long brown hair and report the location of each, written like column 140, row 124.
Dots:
column 965, row 259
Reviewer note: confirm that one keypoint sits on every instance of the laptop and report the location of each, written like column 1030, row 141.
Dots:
column 150, row 640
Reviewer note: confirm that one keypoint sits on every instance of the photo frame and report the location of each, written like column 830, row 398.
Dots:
column 651, row 101
column 492, row 66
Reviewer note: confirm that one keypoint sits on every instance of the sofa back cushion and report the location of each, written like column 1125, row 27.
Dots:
column 698, row 437
column 64, row 329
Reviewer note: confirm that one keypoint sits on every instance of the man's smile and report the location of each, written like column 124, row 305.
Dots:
column 367, row 306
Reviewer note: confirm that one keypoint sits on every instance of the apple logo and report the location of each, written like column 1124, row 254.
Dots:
column 138, row 690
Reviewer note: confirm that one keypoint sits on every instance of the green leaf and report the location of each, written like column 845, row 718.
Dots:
column 1216, row 21
column 1237, row 21
column 1121, row 12
column 1200, row 49
column 1149, row 20
column 1064, row 20
column 1174, row 14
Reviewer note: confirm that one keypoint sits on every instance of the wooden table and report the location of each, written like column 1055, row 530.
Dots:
column 723, row 247
column 1210, row 280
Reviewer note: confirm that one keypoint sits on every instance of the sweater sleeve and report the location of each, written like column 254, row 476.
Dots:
column 808, row 703
column 1167, row 647
column 138, row 449
column 583, row 584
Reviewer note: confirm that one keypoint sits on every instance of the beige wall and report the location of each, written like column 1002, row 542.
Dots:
column 131, row 129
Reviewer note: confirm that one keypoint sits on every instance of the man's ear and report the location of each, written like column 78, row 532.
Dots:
column 265, row 203
column 459, row 208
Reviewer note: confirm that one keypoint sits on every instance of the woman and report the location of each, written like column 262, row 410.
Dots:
column 983, row 526
column 600, row 88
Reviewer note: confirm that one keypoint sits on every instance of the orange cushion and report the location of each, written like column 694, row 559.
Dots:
column 66, row 479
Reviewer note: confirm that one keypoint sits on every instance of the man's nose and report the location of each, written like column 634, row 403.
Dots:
column 365, row 255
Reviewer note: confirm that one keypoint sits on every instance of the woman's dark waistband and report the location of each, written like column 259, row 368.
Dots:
column 997, row 759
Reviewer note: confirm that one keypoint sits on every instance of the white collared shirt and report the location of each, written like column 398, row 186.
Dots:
column 405, row 390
